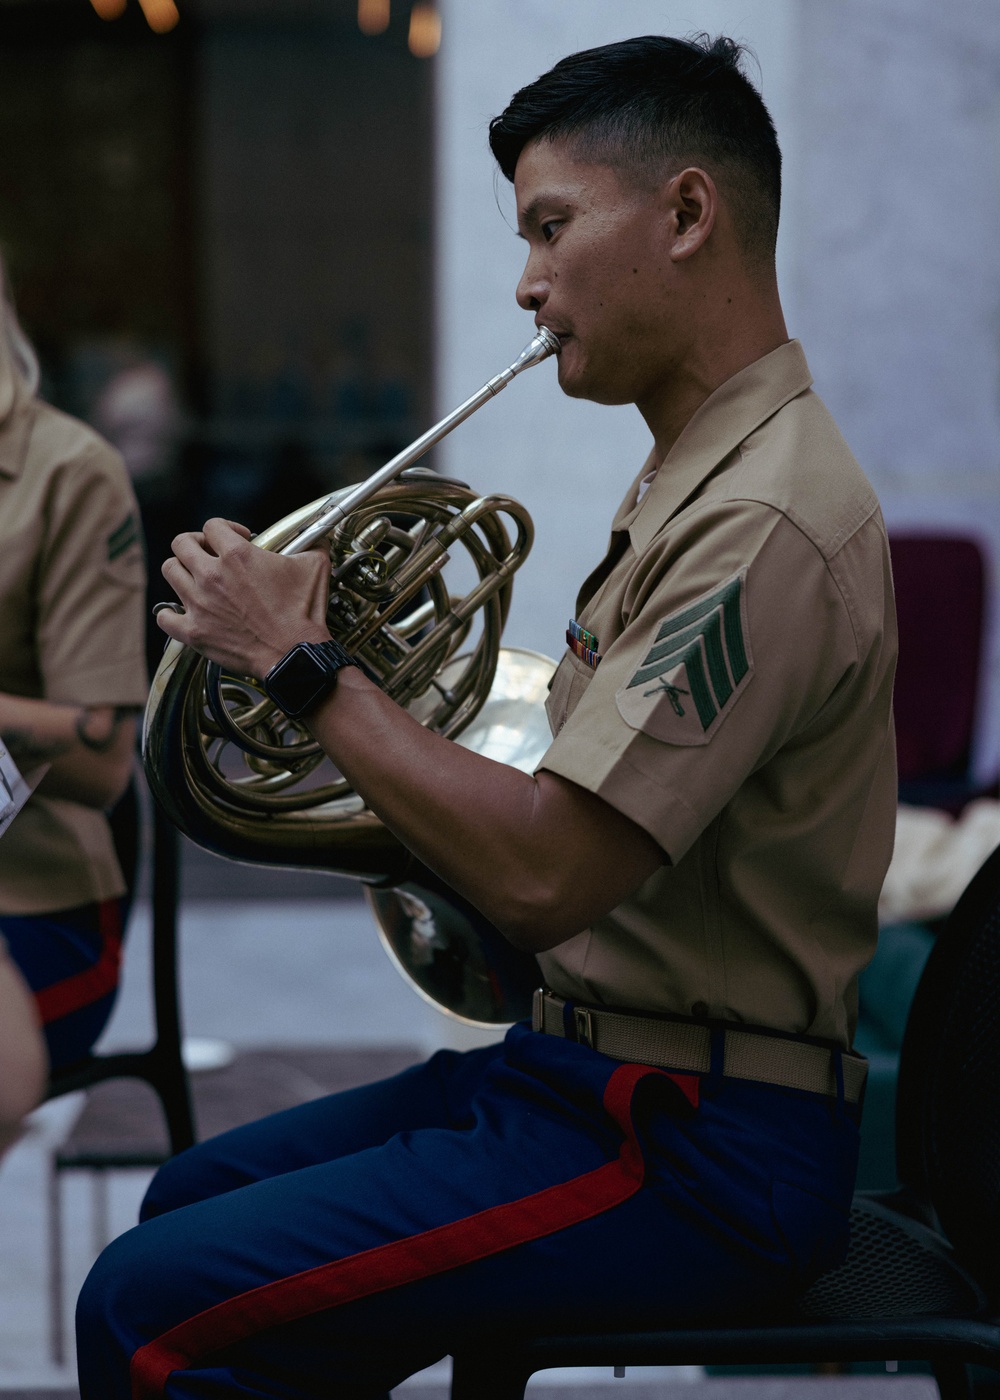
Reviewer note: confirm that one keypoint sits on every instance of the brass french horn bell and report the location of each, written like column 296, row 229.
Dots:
column 241, row 779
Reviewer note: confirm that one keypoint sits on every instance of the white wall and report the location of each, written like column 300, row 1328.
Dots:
column 897, row 270
column 568, row 462
column 888, row 114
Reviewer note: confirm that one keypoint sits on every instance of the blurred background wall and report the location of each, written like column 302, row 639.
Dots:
column 888, row 113
column 896, row 283
column 260, row 247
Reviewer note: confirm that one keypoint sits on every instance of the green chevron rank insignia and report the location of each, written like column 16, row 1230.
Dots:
column 124, row 537
column 126, row 561
column 695, row 671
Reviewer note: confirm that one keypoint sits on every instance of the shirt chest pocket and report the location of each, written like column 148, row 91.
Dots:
column 568, row 684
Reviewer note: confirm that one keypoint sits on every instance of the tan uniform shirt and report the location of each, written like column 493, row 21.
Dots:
column 72, row 576
column 741, row 714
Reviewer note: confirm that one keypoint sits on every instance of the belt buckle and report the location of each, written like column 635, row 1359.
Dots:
column 584, row 1025
column 538, row 1009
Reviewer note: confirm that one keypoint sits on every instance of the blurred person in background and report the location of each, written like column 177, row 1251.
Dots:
column 139, row 413
column 72, row 676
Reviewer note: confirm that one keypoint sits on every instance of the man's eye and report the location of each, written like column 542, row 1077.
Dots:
column 549, row 229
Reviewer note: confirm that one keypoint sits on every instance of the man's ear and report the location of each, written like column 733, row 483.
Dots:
column 692, row 202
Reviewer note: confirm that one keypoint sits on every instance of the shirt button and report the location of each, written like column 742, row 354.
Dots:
column 700, row 1008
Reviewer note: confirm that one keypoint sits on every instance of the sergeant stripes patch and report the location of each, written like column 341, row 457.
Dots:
column 123, row 537
column 698, row 659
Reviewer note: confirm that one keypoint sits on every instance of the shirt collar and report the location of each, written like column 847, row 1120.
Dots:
column 727, row 417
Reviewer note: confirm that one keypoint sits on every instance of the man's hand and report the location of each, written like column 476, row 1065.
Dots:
column 244, row 607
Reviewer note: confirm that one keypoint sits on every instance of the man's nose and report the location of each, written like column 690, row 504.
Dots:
column 532, row 290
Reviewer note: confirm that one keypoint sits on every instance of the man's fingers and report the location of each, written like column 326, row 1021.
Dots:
column 177, row 625
column 183, row 585
column 197, row 535
column 192, row 550
column 170, row 622
column 241, row 602
column 214, row 536
column 224, row 534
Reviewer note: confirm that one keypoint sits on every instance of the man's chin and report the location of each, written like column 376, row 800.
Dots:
column 574, row 380
column 592, row 387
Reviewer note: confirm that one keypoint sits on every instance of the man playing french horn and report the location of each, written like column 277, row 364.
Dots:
column 696, row 861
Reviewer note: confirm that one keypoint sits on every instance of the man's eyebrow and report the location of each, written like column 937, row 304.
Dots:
column 528, row 216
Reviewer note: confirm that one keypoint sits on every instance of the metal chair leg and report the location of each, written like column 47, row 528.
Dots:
column 953, row 1380
column 171, row 1081
column 57, row 1282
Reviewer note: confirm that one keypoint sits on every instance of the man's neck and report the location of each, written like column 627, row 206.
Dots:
column 709, row 361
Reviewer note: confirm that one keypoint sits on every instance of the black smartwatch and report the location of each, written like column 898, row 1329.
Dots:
column 304, row 675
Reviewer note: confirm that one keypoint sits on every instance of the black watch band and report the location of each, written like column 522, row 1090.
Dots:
column 304, row 675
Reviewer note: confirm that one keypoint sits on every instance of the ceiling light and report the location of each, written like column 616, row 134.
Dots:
column 425, row 31
column 161, row 15
column 373, row 16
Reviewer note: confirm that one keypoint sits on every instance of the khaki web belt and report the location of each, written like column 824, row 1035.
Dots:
column 687, row 1046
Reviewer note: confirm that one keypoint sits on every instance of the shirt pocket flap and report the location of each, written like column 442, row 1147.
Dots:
column 568, row 684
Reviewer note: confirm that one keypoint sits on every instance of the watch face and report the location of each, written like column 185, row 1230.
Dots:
column 298, row 681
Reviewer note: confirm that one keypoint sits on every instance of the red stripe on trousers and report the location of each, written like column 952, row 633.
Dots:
column 84, row 988
column 404, row 1261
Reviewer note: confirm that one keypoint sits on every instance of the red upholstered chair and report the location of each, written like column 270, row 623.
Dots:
column 940, row 585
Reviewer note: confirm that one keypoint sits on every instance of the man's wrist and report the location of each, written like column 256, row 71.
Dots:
column 303, row 677
column 270, row 657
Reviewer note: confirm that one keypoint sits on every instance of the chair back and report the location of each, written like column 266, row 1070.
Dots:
column 125, row 821
column 939, row 584
column 948, row 1100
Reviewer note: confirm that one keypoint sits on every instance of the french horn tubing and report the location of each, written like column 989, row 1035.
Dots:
column 242, row 780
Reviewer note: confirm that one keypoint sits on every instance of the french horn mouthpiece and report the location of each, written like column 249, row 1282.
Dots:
column 539, row 348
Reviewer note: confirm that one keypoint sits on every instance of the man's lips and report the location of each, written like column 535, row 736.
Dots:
column 561, row 335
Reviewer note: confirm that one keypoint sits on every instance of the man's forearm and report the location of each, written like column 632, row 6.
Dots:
column 539, row 856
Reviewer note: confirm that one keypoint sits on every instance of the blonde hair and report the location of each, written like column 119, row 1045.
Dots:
column 20, row 353
column 23, row 360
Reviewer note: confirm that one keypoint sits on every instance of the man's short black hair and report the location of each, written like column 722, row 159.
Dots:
column 650, row 106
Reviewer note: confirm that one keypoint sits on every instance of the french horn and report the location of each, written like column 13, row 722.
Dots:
column 241, row 779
